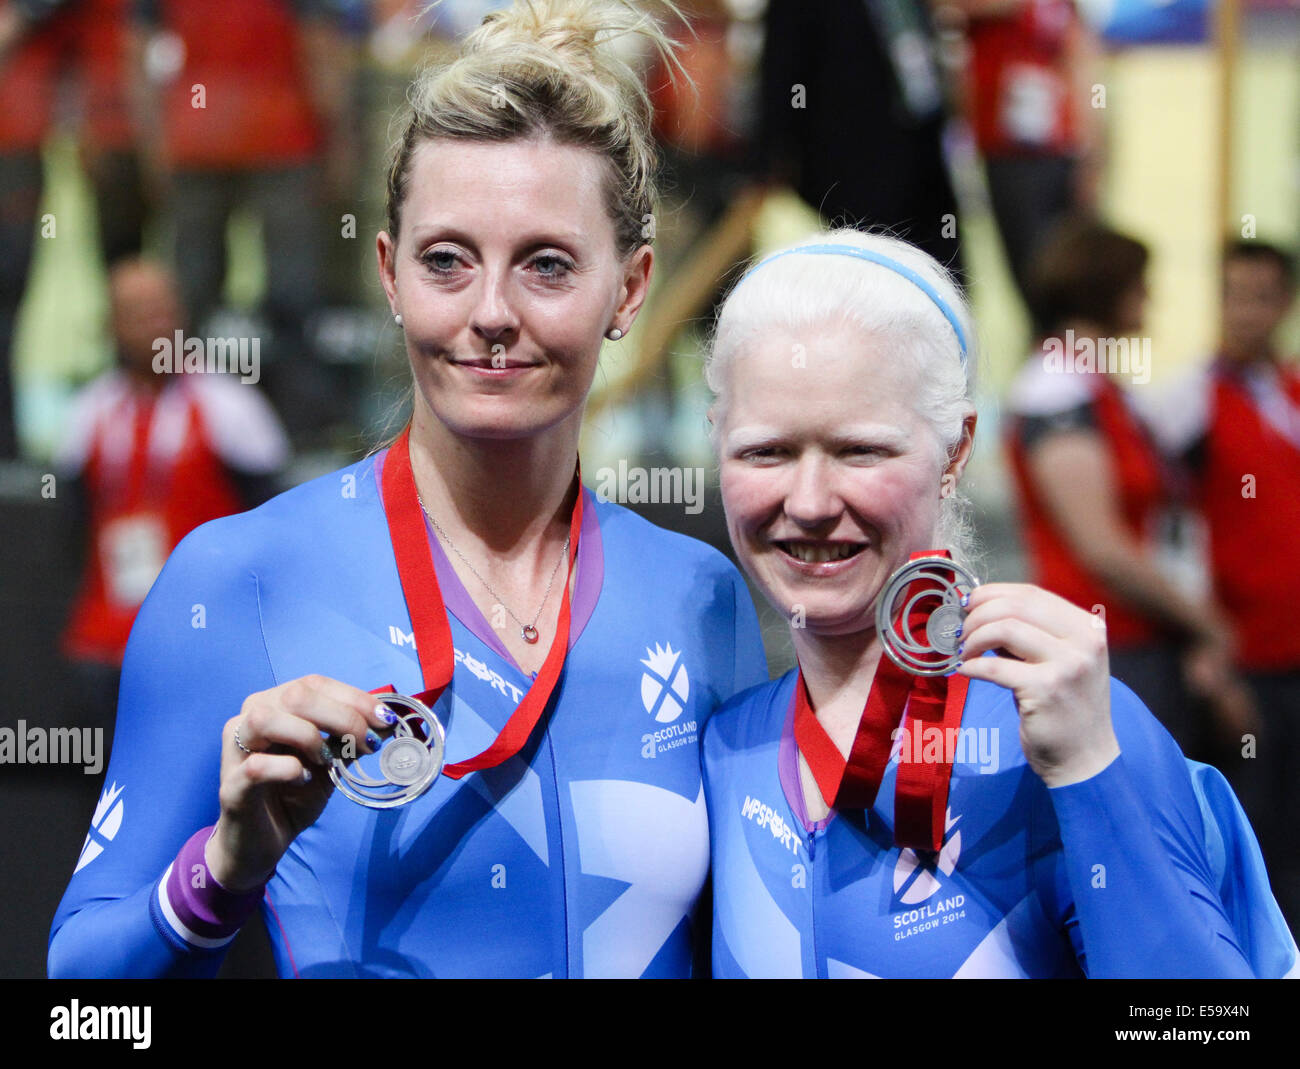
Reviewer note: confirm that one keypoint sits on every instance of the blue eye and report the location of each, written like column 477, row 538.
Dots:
column 550, row 266
column 442, row 261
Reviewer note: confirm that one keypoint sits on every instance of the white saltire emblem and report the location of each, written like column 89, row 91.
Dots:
column 103, row 825
column 921, row 876
column 665, row 687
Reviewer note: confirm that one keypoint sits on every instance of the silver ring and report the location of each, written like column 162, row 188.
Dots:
column 240, row 744
column 409, row 763
column 941, row 585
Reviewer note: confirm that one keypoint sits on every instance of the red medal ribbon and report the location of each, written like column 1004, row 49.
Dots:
column 932, row 703
column 921, row 790
column 429, row 614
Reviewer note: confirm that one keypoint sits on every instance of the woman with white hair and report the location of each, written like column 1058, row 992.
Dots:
column 1033, row 819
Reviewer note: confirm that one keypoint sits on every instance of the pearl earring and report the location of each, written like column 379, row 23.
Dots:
column 613, row 334
column 397, row 318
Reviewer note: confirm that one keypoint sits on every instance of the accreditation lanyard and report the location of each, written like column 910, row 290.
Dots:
column 932, row 703
column 429, row 614
column 146, row 478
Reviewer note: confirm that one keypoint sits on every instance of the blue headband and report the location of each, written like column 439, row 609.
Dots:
column 884, row 261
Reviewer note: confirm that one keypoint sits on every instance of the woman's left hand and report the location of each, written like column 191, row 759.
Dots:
column 1052, row 654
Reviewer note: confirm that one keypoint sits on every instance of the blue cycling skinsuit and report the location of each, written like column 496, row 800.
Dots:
column 1116, row 876
column 583, row 855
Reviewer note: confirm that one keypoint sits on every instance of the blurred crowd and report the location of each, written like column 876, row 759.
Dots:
column 187, row 111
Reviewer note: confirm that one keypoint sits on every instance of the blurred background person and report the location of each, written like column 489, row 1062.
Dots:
column 148, row 457
column 1234, row 423
column 702, row 135
column 1030, row 69
column 852, row 115
column 244, row 107
column 50, row 50
column 697, row 124
column 1093, row 487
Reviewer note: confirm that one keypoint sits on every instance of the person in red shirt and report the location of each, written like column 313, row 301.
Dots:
column 1093, row 487
column 243, row 104
column 148, row 458
column 1028, row 96
column 1235, row 425
column 852, row 115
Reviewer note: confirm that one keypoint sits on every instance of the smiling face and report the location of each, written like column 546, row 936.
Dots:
column 830, row 478
column 506, row 276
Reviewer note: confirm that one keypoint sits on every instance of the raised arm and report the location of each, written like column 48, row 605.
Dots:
column 195, row 654
column 1131, row 886
column 1141, row 900
column 156, row 893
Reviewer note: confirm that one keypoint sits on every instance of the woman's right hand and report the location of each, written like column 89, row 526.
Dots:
column 272, row 794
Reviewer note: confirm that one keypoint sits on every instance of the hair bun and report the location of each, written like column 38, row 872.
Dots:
column 592, row 34
column 566, row 68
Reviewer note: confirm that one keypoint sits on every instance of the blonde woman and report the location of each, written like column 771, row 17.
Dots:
column 574, row 651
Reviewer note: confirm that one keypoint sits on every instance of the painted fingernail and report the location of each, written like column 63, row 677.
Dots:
column 326, row 754
column 961, row 649
column 965, row 600
column 306, row 776
column 372, row 741
column 957, row 633
column 385, row 714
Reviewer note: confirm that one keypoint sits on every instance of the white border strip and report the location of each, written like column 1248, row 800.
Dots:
column 193, row 938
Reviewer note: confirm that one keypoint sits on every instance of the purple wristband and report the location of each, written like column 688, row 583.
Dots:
column 195, row 905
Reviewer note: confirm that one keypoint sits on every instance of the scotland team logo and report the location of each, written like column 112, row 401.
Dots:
column 665, row 685
column 103, row 825
column 917, row 881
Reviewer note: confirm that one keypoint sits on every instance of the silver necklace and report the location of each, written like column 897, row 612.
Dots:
column 528, row 632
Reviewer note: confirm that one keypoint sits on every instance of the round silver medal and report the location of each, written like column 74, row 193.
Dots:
column 932, row 585
column 409, row 762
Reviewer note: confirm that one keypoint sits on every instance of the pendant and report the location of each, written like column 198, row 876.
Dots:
column 529, row 633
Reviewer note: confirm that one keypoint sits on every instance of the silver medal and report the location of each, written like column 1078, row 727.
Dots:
column 933, row 585
column 409, row 762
